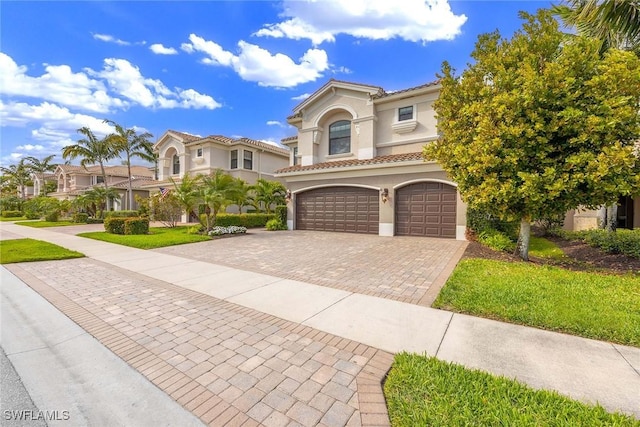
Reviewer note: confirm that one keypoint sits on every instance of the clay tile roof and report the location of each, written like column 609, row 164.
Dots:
column 385, row 94
column 391, row 158
column 135, row 183
column 289, row 138
column 186, row 136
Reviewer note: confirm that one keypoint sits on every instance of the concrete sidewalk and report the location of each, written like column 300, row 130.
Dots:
column 588, row 370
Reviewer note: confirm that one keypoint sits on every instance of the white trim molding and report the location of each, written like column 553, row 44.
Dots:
column 386, row 229
column 461, row 231
column 313, row 187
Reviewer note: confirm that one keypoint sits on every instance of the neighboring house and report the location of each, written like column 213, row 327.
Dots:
column 356, row 164
column 36, row 178
column 74, row 180
column 181, row 153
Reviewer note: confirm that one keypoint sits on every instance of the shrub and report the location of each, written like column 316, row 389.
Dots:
column 496, row 240
column 52, row 216
column 95, row 221
column 114, row 225
column 219, row 231
column 136, row 226
column 81, row 217
column 11, row 214
column 275, row 224
column 281, row 213
column 248, row 220
column 621, row 241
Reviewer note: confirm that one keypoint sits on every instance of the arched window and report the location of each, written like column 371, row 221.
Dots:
column 176, row 164
column 340, row 137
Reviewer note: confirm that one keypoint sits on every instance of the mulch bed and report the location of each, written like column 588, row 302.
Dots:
column 580, row 257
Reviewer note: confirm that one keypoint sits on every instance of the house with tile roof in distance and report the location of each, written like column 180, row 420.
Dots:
column 357, row 164
column 181, row 153
column 73, row 180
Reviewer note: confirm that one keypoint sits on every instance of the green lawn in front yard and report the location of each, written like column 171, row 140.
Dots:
column 26, row 250
column 591, row 305
column 44, row 224
column 424, row 391
column 158, row 237
column 544, row 248
column 16, row 218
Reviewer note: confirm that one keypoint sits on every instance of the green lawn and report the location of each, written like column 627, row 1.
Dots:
column 17, row 218
column 158, row 237
column 44, row 224
column 424, row 391
column 543, row 248
column 598, row 306
column 26, row 250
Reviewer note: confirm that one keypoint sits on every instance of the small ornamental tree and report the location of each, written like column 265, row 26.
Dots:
column 539, row 125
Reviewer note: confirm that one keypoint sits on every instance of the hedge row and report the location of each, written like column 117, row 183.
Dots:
column 621, row 241
column 127, row 226
column 11, row 214
column 248, row 220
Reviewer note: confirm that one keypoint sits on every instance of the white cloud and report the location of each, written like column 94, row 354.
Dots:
column 29, row 147
column 256, row 64
column 341, row 70
column 301, row 97
column 411, row 20
column 159, row 49
column 110, row 39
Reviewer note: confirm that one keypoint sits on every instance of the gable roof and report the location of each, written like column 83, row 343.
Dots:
column 391, row 158
column 188, row 139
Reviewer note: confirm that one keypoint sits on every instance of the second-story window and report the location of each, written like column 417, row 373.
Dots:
column 340, row 137
column 176, row 164
column 295, row 156
column 199, row 152
column 405, row 113
column 99, row 179
column 234, row 159
column 248, row 159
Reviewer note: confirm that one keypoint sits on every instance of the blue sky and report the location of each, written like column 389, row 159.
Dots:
column 233, row 68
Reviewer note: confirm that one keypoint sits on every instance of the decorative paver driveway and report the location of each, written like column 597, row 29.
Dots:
column 400, row 267
column 227, row 364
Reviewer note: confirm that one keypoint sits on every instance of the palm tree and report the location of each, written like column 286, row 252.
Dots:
column 18, row 176
column 132, row 144
column 186, row 193
column 615, row 22
column 91, row 150
column 41, row 167
column 100, row 197
column 217, row 191
column 242, row 198
column 268, row 193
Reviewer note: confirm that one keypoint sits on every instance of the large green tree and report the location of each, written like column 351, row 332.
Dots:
column 539, row 125
column 91, row 150
column 133, row 145
column 40, row 168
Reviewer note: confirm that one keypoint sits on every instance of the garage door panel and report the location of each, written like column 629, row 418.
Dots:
column 426, row 209
column 346, row 209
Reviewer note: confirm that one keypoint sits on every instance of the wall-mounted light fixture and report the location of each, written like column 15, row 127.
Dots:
column 287, row 196
column 384, row 195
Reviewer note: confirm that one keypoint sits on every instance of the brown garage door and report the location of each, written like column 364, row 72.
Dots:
column 426, row 209
column 348, row 209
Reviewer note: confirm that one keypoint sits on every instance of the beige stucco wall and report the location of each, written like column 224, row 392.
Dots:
column 424, row 115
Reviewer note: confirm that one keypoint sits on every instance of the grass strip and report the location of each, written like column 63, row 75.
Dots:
column 27, row 250
column 543, row 248
column 424, row 391
column 45, row 224
column 158, row 237
column 598, row 306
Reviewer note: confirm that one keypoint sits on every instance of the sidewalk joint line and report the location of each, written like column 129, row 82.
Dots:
column 625, row 359
column 444, row 335
column 326, row 308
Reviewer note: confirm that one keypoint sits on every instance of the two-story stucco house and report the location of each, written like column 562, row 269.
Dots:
column 181, row 153
column 74, row 180
column 356, row 164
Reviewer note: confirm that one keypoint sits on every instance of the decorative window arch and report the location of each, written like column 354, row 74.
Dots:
column 340, row 137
